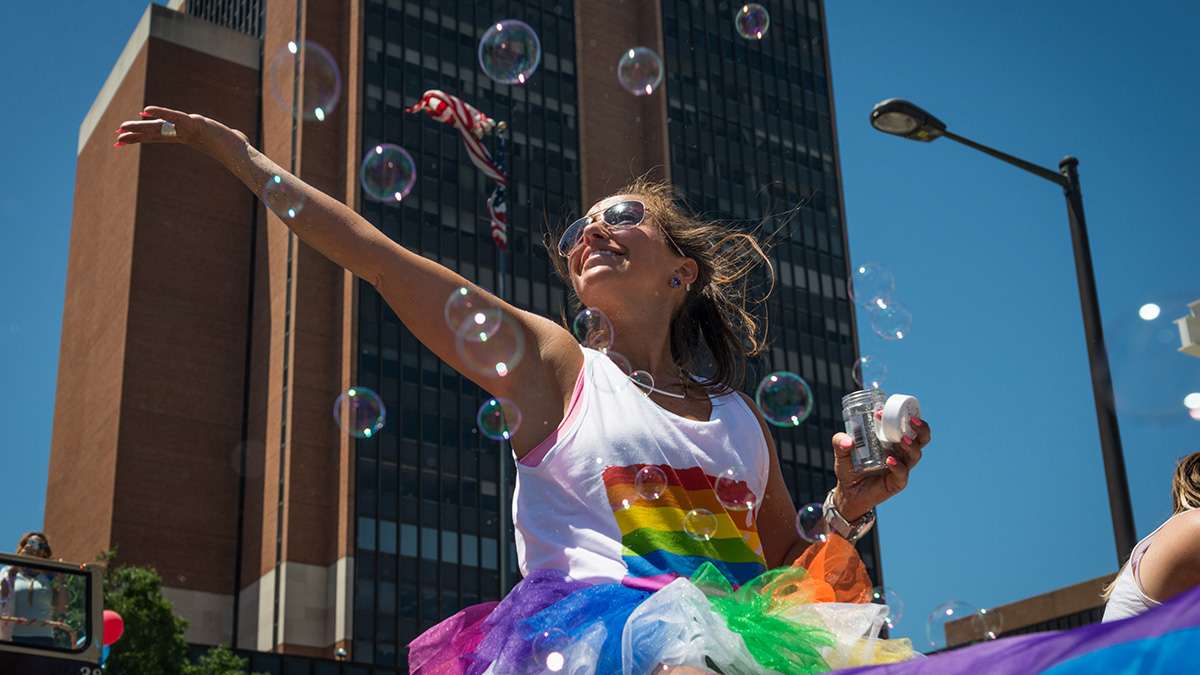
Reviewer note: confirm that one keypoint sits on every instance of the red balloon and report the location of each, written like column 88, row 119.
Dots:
column 114, row 627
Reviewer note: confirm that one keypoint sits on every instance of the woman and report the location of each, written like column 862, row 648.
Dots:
column 1167, row 562
column 32, row 597
column 615, row 501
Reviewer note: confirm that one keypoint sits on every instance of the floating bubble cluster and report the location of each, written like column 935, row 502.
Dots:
column 871, row 285
column 700, row 524
column 886, row 596
column 593, row 329
column 752, row 21
column 957, row 622
column 498, row 419
column 320, row 86
column 890, row 321
column 510, row 51
column 650, row 483
column 784, row 398
column 467, row 309
column 282, row 195
column 388, row 173
column 491, row 343
column 869, row 372
column 643, row 379
column 620, row 361
column 1154, row 384
column 811, row 524
column 733, row 492
column 550, row 650
column 359, row 412
column 640, row 71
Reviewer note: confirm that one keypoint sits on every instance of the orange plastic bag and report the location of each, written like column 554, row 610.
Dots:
column 835, row 572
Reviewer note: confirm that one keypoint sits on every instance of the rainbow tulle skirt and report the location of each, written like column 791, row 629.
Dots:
column 808, row 618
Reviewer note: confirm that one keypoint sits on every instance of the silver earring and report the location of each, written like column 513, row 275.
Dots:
column 674, row 282
column 689, row 288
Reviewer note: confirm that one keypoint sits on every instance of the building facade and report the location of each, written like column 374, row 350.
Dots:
column 1064, row 608
column 313, row 541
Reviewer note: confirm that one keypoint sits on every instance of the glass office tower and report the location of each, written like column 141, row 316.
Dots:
column 428, row 493
column 752, row 140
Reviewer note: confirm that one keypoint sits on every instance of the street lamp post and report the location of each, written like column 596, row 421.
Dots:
column 902, row 118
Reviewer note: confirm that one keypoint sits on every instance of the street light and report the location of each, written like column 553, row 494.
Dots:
column 902, row 118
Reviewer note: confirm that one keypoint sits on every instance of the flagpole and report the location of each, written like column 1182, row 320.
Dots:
column 472, row 126
column 501, row 275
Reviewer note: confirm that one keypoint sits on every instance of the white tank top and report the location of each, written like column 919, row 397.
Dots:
column 579, row 508
column 1128, row 598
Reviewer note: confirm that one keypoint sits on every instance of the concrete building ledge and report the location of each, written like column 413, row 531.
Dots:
column 177, row 28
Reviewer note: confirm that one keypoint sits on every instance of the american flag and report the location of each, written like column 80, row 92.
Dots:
column 472, row 126
column 498, row 210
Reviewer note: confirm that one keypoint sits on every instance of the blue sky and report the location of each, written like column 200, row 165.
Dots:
column 1010, row 500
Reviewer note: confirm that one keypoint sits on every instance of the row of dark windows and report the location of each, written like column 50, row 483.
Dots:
column 428, row 530
column 750, row 134
column 244, row 16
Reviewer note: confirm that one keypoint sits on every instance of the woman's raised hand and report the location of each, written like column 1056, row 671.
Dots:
column 860, row 492
column 189, row 129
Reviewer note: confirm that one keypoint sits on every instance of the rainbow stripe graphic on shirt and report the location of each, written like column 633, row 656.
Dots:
column 655, row 546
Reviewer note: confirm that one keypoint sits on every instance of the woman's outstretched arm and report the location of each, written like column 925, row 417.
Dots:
column 415, row 287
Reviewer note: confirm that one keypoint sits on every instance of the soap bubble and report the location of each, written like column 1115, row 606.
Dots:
column 616, row 383
column 871, row 285
column 869, row 372
column 752, row 21
column 700, row 524
column 784, row 398
column 549, row 649
column 640, row 71
column 509, row 52
column 498, row 419
column 643, row 379
column 1153, row 382
column 359, row 412
column 619, row 359
column 388, row 173
column 321, row 84
column 491, row 343
column 956, row 623
column 593, row 329
column 890, row 321
column 991, row 623
column 282, row 195
column 811, row 524
column 650, row 482
column 467, row 307
column 733, row 492
column 886, row 596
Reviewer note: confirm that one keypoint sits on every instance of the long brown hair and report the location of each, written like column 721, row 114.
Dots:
column 1185, row 484
column 718, row 310
column 29, row 535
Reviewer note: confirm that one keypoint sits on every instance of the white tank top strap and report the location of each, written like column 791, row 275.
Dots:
column 1129, row 597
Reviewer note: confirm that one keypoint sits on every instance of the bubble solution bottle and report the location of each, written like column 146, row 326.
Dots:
column 874, row 420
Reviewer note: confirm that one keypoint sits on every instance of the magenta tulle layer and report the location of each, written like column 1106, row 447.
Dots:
column 488, row 633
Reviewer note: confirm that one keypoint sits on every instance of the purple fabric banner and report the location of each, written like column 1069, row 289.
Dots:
column 1026, row 654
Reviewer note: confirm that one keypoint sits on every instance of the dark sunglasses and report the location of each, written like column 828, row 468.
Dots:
column 36, row 545
column 619, row 216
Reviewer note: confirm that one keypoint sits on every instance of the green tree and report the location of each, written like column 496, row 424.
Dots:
column 218, row 660
column 153, row 642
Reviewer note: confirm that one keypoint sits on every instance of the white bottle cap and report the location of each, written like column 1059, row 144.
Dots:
column 898, row 412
